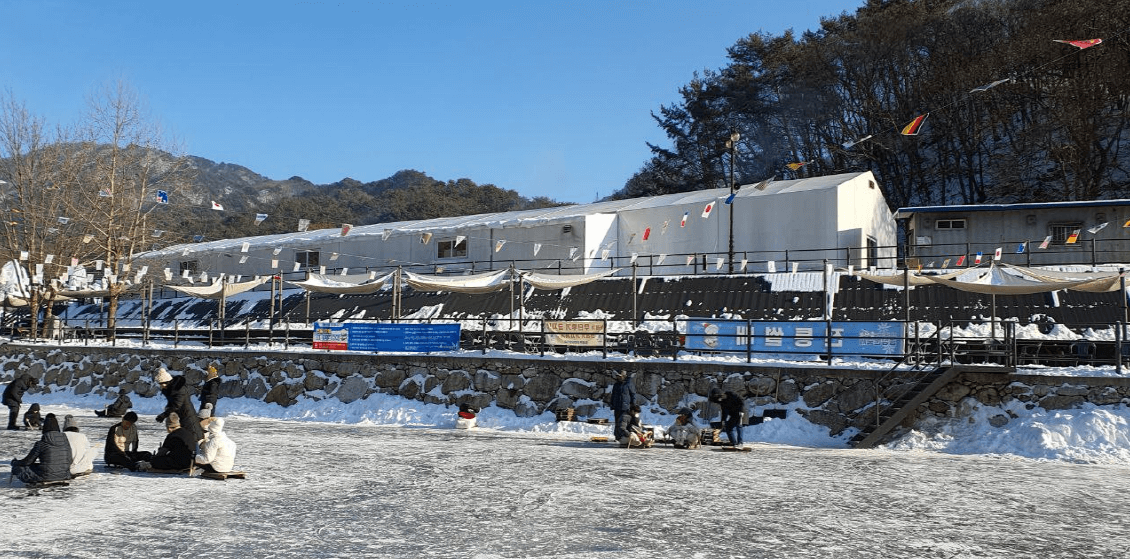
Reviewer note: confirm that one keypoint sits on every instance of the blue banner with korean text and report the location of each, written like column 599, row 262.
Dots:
column 803, row 337
column 373, row 336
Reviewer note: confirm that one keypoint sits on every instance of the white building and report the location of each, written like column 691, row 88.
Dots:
column 841, row 218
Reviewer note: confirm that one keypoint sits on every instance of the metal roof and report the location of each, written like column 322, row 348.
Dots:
column 903, row 213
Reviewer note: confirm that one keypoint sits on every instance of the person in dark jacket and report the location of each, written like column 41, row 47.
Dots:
column 177, row 452
column 210, row 392
column 14, row 397
column 634, row 433
column 121, row 444
column 732, row 410
column 118, row 407
column 49, row 459
column 33, row 419
column 623, row 396
column 179, row 399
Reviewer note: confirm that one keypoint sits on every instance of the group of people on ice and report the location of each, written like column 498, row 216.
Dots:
column 193, row 438
column 630, row 432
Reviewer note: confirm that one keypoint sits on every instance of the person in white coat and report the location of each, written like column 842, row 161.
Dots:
column 217, row 452
column 82, row 454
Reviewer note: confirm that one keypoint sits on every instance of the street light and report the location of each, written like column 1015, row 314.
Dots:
column 732, row 145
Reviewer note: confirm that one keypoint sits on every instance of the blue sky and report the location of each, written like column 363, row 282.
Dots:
column 545, row 98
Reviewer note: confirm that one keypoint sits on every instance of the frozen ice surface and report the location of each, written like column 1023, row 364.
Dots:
column 319, row 489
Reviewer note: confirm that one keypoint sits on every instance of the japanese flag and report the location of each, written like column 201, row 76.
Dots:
column 706, row 211
column 217, row 206
column 345, row 229
column 997, row 254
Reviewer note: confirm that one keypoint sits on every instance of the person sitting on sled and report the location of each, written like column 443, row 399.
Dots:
column 118, row 407
column 176, row 452
column 629, row 432
column 121, row 443
column 33, row 421
column 217, row 452
column 684, row 433
column 49, row 459
column 82, row 454
column 466, row 418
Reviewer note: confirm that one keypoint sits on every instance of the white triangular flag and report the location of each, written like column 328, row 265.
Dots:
column 49, row 259
column 276, row 251
column 795, row 264
column 460, row 238
column 499, row 244
column 744, row 262
column 690, row 259
column 297, row 266
column 322, row 270
column 385, row 234
column 344, row 271
column 243, row 259
column 217, row 206
column 333, row 256
column 537, row 247
column 98, row 265
column 771, row 267
column 244, row 247
column 260, row 218
column 274, row 263
column 635, row 255
column 604, row 254
column 659, row 259
column 425, row 238
column 23, row 255
column 186, row 274
column 168, row 275
column 718, row 263
column 303, row 225
column 1097, row 228
column 572, row 252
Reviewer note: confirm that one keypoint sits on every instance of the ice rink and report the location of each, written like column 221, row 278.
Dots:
column 357, row 490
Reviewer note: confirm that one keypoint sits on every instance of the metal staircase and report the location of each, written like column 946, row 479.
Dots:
column 897, row 407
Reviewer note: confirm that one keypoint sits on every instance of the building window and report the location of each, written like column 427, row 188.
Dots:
column 949, row 224
column 189, row 266
column 306, row 258
column 872, row 251
column 452, row 248
column 1060, row 232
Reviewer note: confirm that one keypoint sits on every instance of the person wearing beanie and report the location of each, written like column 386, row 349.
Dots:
column 632, row 430
column 121, row 444
column 118, row 407
column 14, row 397
column 179, row 401
column 82, row 454
column 684, row 433
column 177, row 451
column 210, row 391
column 217, row 452
column 32, row 419
column 733, row 408
column 49, row 459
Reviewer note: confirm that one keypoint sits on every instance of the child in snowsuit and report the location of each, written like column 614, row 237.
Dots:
column 210, row 391
column 121, row 444
column 217, row 452
column 33, row 421
column 49, row 459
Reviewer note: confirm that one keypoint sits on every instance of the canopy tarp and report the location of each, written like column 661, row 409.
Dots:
column 914, row 278
column 477, row 283
column 1094, row 281
column 219, row 290
column 352, row 284
column 1007, row 280
column 13, row 301
column 555, row 281
column 89, row 293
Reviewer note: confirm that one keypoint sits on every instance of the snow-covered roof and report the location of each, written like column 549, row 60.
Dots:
column 902, row 213
column 520, row 218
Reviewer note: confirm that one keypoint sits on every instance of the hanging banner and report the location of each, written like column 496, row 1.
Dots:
column 796, row 338
column 588, row 333
column 373, row 336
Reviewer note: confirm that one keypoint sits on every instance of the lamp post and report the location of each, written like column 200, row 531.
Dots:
column 732, row 145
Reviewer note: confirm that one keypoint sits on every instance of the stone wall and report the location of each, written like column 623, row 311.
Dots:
column 834, row 398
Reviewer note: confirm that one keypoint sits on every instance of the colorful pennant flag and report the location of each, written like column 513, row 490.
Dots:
column 1020, row 248
column 499, row 244
column 997, row 253
column 706, row 211
column 1098, row 227
column 690, row 259
column 87, row 238
column 683, row 222
column 217, row 206
column 162, row 197
column 1071, row 239
column 646, row 233
column 260, row 218
column 1047, row 241
column 274, row 263
column 730, row 198
column 245, row 246
column 346, row 228
column 960, row 261
column 197, row 238
column 977, row 259
column 849, row 145
column 796, row 166
column 604, row 254
column 915, row 126
column 425, row 237
column 765, row 183
column 1127, row 224
column 945, row 263
column 105, row 193
column 1081, row 44
column 303, row 225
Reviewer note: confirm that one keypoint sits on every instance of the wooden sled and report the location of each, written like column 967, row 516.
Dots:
column 43, row 484
column 224, row 475
column 165, row 472
column 599, row 439
column 734, row 448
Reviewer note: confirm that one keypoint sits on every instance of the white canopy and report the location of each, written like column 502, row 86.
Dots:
column 477, row 283
column 349, row 284
column 219, row 290
column 1007, row 280
column 555, row 281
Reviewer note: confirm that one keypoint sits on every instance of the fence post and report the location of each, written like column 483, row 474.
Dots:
column 604, row 338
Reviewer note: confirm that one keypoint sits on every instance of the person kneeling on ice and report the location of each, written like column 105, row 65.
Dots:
column 176, row 452
column 33, row 421
column 684, row 433
column 121, row 444
column 467, row 418
column 733, row 408
column 217, row 452
column 630, row 432
column 82, row 454
column 118, row 407
column 49, row 459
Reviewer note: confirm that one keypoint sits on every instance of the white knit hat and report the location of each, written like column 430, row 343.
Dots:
column 163, row 376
